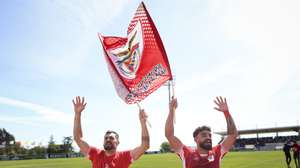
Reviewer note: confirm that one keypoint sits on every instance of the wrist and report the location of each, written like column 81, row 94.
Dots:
column 77, row 114
column 172, row 110
column 226, row 114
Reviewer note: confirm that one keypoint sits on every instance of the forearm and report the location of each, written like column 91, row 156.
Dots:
column 145, row 136
column 77, row 132
column 231, row 128
column 169, row 127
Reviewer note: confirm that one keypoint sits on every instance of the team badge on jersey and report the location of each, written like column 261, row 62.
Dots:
column 211, row 156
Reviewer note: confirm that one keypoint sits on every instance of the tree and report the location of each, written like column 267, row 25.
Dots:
column 67, row 144
column 37, row 151
column 165, row 147
column 51, row 145
column 51, row 141
column 7, row 141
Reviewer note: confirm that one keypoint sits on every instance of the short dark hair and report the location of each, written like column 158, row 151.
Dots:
column 200, row 129
column 114, row 132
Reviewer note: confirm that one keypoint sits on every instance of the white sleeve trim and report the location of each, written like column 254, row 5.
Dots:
column 180, row 152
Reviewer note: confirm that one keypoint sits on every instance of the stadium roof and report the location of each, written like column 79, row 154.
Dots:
column 265, row 130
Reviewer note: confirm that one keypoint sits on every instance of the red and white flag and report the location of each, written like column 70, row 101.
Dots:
column 138, row 63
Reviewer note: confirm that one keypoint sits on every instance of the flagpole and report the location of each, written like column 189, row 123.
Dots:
column 140, row 108
column 169, row 83
column 173, row 95
column 173, row 91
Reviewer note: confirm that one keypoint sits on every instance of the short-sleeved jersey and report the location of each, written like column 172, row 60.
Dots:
column 191, row 158
column 118, row 160
column 296, row 148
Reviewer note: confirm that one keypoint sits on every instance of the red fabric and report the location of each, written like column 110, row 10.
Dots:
column 296, row 147
column 118, row 160
column 192, row 159
column 138, row 63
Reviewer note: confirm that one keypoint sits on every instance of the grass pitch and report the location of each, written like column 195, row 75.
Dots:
column 274, row 159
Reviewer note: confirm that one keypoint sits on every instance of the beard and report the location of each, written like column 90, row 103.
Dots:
column 108, row 146
column 206, row 145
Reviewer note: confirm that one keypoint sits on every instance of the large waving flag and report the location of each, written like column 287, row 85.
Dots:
column 138, row 63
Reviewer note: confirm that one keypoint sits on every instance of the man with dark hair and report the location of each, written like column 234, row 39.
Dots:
column 200, row 129
column 109, row 157
column 287, row 152
column 204, row 156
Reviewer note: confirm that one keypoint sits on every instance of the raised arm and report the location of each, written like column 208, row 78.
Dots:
column 79, row 106
column 175, row 143
column 140, row 150
column 232, row 132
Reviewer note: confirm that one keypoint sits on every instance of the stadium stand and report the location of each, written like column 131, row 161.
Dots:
column 264, row 143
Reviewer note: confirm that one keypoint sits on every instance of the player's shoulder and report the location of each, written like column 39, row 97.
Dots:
column 95, row 150
column 124, row 152
column 185, row 150
column 218, row 146
column 188, row 148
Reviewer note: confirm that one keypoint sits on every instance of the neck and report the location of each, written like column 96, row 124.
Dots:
column 202, row 151
column 110, row 152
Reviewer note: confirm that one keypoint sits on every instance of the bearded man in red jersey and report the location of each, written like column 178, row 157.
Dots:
column 204, row 156
column 108, row 157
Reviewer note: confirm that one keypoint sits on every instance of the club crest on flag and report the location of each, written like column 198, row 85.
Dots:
column 128, row 57
column 137, row 63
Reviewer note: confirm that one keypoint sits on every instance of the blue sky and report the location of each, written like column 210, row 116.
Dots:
column 246, row 50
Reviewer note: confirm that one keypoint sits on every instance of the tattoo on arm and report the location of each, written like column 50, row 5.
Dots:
column 231, row 129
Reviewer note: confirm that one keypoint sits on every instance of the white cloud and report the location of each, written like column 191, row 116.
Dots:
column 270, row 32
column 204, row 79
column 44, row 114
column 267, row 58
column 70, row 42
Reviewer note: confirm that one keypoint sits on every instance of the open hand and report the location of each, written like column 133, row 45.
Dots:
column 79, row 104
column 222, row 104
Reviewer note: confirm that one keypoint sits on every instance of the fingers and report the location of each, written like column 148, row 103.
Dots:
column 82, row 100
column 79, row 100
column 216, row 103
column 174, row 101
column 217, row 108
column 76, row 99
column 143, row 114
column 220, row 100
column 142, row 111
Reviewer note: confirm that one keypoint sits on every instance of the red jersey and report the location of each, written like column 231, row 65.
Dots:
column 117, row 160
column 191, row 158
column 296, row 147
